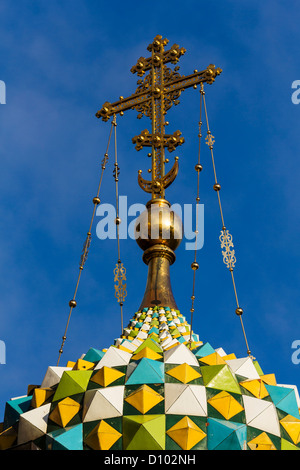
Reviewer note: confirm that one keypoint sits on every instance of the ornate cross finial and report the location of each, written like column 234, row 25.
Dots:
column 156, row 93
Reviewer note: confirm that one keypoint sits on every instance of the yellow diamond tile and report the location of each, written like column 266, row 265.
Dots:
column 212, row 359
column 184, row 372
column 292, row 427
column 225, row 404
column 261, row 442
column 256, row 387
column 186, row 433
column 106, row 375
column 81, row 364
column 64, row 411
column 102, row 437
column 144, row 398
column 147, row 352
column 71, row 364
column 269, row 379
column 40, row 395
column 229, row 357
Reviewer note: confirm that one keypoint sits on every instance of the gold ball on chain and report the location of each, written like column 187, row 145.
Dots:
column 117, row 220
column 96, row 200
column 239, row 311
column 72, row 303
column 217, row 187
column 198, row 167
column 194, row 266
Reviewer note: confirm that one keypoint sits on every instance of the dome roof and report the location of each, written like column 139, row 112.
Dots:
column 158, row 387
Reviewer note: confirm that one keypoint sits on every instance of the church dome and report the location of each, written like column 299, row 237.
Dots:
column 154, row 389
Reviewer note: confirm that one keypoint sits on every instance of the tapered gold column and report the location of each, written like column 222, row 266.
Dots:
column 159, row 233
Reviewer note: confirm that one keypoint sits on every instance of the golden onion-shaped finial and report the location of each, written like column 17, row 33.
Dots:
column 158, row 224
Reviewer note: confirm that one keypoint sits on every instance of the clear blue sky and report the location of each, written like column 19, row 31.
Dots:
column 60, row 62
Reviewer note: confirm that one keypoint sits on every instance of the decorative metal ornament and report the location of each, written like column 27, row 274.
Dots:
column 228, row 253
column 120, row 287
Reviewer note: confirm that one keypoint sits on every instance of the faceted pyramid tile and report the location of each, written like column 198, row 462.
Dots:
column 103, row 403
column 244, row 367
column 14, row 408
column 226, row 435
column 127, row 346
column 102, row 437
column 294, row 387
column 220, row 377
column 53, row 376
column 226, row 404
column 64, row 411
column 212, row 359
column 93, row 355
column 186, row 433
column 269, row 379
column 147, row 371
column 184, row 373
column 179, row 355
column 33, row 424
column 144, row 432
column 261, row 442
column 71, row 383
column 146, row 352
column 82, row 364
column 114, row 357
column 205, row 350
column 40, row 396
column 292, row 427
column 286, row 445
column 66, row 439
column 284, row 399
column 184, row 399
column 106, row 376
column 144, row 399
column 256, row 387
column 8, row 438
column 221, row 352
column 261, row 414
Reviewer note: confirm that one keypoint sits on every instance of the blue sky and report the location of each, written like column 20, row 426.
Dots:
column 60, row 62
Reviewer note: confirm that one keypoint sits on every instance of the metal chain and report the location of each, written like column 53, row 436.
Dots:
column 195, row 265
column 225, row 237
column 119, row 270
column 86, row 246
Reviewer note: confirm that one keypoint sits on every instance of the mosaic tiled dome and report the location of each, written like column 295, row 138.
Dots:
column 155, row 390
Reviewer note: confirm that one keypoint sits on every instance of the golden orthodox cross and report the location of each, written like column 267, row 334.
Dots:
column 156, row 93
